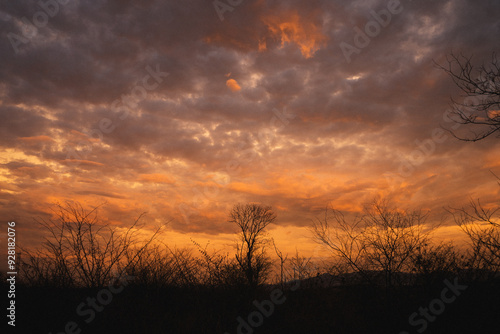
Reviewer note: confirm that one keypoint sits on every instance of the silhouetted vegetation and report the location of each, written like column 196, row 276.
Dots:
column 384, row 267
column 251, row 255
column 382, row 241
column 480, row 86
column 80, row 251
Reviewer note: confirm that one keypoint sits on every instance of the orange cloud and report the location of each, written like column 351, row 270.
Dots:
column 233, row 85
column 33, row 172
column 262, row 45
column 291, row 28
column 76, row 162
column 156, row 178
column 494, row 114
column 36, row 139
column 249, row 188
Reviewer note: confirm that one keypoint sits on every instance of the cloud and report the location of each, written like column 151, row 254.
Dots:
column 100, row 193
column 86, row 163
column 290, row 27
column 155, row 178
column 233, row 85
column 36, row 139
column 191, row 148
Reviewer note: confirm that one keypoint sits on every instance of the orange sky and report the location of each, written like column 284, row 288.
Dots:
column 162, row 107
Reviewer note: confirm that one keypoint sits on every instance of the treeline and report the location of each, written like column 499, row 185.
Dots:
column 384, row 266
column 383, row 245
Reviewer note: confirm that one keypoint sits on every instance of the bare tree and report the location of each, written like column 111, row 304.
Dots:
column 282, row 260
column 344, row 239
column 482, row 226
column 252, row 219
column 301, row 267
column 391, row 237
column 383, row 239
column 480, row 109
column 81, row 251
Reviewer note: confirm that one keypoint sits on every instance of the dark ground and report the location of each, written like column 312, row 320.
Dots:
column 342, row 309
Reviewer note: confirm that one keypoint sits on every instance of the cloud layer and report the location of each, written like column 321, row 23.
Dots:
column 161, row 106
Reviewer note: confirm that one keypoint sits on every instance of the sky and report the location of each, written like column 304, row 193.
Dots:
column 182, row 109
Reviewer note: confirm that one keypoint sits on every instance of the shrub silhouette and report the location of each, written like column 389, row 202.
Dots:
column 80, row 251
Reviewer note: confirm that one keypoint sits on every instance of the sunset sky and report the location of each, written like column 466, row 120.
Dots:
column 182, row 109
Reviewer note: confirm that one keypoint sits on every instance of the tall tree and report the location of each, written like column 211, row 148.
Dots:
column 252, row 219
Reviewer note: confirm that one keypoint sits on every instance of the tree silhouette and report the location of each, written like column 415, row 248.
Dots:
column 383, row 239
column 82, row 251
column 252, row 219
column 482, row 226
column 480, row 110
